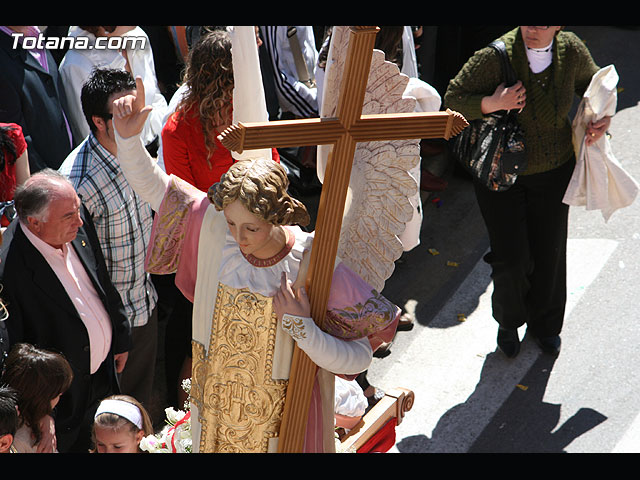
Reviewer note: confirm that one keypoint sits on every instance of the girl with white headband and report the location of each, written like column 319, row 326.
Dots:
column 119, row 424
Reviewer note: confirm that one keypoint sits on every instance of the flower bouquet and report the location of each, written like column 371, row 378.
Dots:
column 175, row 437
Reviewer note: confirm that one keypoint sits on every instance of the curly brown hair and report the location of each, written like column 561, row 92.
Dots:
column 209, row 77
column 261, row 186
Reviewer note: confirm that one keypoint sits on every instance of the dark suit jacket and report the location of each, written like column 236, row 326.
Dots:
column 35, row 100
column 41, row 313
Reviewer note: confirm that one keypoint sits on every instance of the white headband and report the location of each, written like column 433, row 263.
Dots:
column 122, row 408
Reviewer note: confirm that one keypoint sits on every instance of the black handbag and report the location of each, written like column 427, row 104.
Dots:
column 8, row 211
column 492, row 148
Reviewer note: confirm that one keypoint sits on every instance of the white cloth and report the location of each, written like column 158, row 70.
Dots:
column 122, row 408
column 540, row 58
column 236, row 272
column 409, row 60
column 248, row 85
column 427, row 100
column 170, row 110
column 599, row 181
column 350, row 399
column 77, row 65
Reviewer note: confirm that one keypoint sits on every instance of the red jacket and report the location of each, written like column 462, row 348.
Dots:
column 185, row 153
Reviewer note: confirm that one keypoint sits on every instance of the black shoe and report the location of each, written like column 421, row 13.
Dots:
column 550, row 345
column 508, row 342
column 405, row 323
column 383, row 350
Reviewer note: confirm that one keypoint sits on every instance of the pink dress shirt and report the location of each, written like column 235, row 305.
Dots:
column 67, row 266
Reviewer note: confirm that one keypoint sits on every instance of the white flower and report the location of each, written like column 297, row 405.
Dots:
column 186, row 385
column 175, row 437
column 173, row 416
column 153, row 444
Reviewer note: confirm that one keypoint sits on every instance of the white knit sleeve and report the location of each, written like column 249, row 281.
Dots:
column 141, row 171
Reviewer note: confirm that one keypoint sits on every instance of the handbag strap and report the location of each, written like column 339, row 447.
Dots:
column 508, row 73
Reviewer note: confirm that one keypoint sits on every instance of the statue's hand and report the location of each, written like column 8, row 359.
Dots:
column 130, row 112
column 288, row 301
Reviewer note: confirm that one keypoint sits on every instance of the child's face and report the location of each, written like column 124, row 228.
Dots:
column 109, row 440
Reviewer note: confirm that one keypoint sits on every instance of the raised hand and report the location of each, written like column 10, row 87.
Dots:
column 130, row 112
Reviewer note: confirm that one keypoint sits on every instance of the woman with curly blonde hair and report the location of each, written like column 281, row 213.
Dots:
column 191, row 149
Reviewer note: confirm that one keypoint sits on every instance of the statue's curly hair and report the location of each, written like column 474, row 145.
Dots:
column 209, row 77
column 261, row 186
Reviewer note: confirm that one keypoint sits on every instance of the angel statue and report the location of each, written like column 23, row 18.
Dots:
column 240, row 255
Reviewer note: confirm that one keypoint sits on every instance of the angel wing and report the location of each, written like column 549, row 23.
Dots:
column 378, row 206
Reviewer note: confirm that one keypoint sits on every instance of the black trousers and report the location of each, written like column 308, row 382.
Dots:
column 176, row 312
column 527, row 227
column 79, row 438
column 137, row 378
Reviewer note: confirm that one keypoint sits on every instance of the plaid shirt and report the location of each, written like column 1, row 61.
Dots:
column 123, row 223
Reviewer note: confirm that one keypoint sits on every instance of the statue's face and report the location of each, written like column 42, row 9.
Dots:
column 254, row 235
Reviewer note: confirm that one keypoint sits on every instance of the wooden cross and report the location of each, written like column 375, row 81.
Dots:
column 343, row 132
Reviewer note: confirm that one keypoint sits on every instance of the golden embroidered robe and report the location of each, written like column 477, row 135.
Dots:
column 241, row 354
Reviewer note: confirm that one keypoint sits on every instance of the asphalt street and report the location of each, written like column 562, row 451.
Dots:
column 470, row 397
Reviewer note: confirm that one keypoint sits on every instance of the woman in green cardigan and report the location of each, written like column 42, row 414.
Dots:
column 527, row 224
